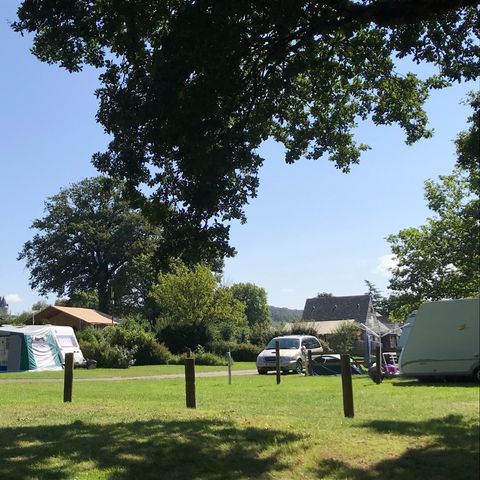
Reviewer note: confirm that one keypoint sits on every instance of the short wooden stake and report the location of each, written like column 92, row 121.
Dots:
column 190, row 382
column 277, row 360
column 309, row 363
column 68, row 378
column 347, row 388
column 378, row 366
column 229, row 357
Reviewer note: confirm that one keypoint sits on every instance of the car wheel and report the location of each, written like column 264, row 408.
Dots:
column 299, row 366
column 476, row 375
column 262, row 371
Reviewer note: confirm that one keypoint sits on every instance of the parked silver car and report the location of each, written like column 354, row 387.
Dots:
column 293, row 353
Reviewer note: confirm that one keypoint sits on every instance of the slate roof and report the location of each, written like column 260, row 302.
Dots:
column 354, row 307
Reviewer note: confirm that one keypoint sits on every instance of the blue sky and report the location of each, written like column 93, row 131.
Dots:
column 311, row 228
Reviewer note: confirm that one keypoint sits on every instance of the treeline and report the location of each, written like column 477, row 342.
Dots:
column 285, row 315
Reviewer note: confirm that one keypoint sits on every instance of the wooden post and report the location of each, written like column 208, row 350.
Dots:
column 309, row 368
column 347, row 388
column 378, row 366
column 190, row 381
column 229, row 356
column 68, row 378
column 277, row 360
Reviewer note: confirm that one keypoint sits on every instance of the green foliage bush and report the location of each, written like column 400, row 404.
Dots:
column 342, row 338
column 106, row 355
column 300, row 329
column 130, row 336
column 202, row 357
column 208, row 358
column 180, row 337
column 241, row 352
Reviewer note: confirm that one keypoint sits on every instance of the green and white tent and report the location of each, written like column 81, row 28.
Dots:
column 36, row 347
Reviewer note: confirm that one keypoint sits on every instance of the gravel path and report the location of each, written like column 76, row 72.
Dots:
column 144, row 377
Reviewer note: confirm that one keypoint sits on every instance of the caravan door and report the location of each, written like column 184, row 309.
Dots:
column 67, row 343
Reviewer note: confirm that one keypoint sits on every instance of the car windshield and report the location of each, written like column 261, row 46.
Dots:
column 285, row 343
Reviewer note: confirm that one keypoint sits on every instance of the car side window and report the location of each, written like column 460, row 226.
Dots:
column 311, row 343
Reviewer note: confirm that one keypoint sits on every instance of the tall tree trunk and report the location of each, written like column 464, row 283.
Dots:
column 103, row 296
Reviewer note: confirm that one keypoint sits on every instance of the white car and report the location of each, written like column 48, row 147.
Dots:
column 293, row 353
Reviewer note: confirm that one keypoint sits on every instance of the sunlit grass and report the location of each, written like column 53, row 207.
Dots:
column 252, row 428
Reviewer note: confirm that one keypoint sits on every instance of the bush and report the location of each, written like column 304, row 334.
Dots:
column 201, row 358
column 241, row 352
column 180, row 337
column 112, row 343
column 343, row 337
column 106, row 355
column 207, row 358
column 148, row 350
column 299, row 329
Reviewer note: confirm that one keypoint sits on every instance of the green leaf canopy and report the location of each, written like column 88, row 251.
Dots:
column 88, row 240
column 189, row 90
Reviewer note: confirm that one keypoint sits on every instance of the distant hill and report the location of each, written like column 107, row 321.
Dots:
column 282, row 314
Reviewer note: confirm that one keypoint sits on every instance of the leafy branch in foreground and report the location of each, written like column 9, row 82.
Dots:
column 189, row 90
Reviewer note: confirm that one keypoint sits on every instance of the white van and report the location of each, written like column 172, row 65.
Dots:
column 293, row 352
column 442, row 340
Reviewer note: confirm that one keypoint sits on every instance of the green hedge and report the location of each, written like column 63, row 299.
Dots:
column 116, row 345
column 241, row 352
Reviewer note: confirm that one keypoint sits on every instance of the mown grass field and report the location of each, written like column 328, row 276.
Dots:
column 140, row 429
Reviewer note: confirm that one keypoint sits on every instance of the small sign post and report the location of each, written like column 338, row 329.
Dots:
column 347, row 388
column 190, row 381
column 68, row 378
column 277, row 360
column 309, row 368
column 229, row 357
column 378, row 366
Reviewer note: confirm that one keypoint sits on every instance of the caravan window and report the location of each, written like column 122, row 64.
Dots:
column 67, row 341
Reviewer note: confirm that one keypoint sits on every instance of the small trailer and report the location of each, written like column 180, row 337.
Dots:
column 37, row 347
column 442, row 340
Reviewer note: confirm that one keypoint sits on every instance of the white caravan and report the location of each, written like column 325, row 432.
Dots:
column 37, row 347
column 442, row 340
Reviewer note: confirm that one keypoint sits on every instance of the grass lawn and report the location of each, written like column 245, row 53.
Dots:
column 252, row 429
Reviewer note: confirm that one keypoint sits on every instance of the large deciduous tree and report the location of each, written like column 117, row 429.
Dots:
column 189, row 90
column 441, row 259
column 90, row 239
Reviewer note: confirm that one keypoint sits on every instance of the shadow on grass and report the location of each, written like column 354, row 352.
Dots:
column 451, row 454
column 437, row 382
column 200, row 449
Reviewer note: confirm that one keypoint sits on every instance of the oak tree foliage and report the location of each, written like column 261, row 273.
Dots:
column 91, row 240
column 190, row 90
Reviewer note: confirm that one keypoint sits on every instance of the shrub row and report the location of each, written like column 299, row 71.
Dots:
column 131, row 343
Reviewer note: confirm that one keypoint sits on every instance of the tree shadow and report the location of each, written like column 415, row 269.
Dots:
column 200, row 449
column 452, row 454
column 438, row 382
